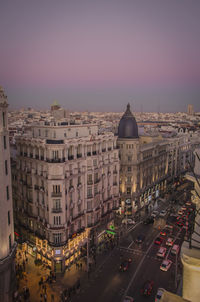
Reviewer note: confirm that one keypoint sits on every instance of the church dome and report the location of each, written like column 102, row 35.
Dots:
column 127, row 126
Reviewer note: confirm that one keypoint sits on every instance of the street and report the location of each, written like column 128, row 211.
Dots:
column 107, row 283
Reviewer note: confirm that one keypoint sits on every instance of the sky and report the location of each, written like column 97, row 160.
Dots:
column 98, row 55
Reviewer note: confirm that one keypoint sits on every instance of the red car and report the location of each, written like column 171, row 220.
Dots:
column 163, row 233
column 158, row 240
column 147, row 288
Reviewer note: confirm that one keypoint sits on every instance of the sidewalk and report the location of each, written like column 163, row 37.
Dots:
column 72, row 280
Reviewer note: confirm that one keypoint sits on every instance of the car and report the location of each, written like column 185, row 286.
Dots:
column 159, row 294
column 163, row 213
column 170, row 241
column 154, row 214
column 163, row 233
column 149, row 220
column 188, row 203
column 128, row 221
column 165, row 265
column 128, row 299
column 158, row 240
column 124, row 266
column 180, row 212
column 140, row 238
column 161, row 252
column 175, row 249
column 147, row 288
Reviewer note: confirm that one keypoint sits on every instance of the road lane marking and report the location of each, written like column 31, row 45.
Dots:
column 139, row 265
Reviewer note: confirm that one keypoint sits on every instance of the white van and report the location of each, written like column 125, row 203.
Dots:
column 175, row 249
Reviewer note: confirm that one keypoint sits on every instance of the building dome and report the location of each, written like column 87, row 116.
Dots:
column 127, row 126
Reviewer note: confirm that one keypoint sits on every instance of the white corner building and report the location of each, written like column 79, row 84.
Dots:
column 66, row 184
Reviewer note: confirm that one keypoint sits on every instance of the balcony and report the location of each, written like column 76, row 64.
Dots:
column 54, row 141
column 56, row 210
column 70, row 157
column 31, row 155
column 42, row 157
column 57, row 244
column 104, row 150
column 89, row 196
column 79, row 155
column 94, row 152
column 115, row 183
column 114, row 171
column 109, row 148
column 37, row 156
column 36, row 187
column 88, row 153
column 90, row 182
column 56, row 194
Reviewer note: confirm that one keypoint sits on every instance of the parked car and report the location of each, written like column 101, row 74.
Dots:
column 149, row 220
column 166, row 264
column 170, row 241
column 140, row 238
column 163, row 213
column 147, row 288
column 169, row 227
column 159, row 294
column 161, row 252
column 128, row 221
column 158, row 240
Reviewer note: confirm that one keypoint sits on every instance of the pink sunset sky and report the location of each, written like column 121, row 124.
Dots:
column 99, row 55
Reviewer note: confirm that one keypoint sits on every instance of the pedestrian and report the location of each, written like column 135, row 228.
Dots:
column 45, row 297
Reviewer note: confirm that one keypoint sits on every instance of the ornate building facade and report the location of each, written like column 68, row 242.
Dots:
column 66, row 182
column 143, row 166
column 7, row 244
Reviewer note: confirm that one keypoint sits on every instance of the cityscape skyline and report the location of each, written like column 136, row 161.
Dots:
column 99, row 55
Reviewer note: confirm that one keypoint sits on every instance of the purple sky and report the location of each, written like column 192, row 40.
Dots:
column 100, row 55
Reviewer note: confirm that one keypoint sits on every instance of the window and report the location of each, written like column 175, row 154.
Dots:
column 79, row 208
column 10, row 243
column 129, row 169
column 39, row 132
column 7, row 192
column 46, row 133
column 128, row 190
column 57, row 238
column 56, row 203
column 6, row 167
column 56, row 188
column 76, row 134
column 129, row 158
column 89, row 192
column 57, row 220
column 96, row 189
column 129, row 179
column 4, row 121
column 89, row 205
column 95, row 162
column 55, row 154
column 8, row 217
column 79, row 180
column 89, row 179
column 4, row 142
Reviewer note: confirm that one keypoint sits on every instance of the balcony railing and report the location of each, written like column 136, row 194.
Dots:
column 94, row 152
column 104, row 150
column 56, row 194
column 56, row 210
column 88, row 153
column 89, row 182
column 70, row 157
column 79, row 155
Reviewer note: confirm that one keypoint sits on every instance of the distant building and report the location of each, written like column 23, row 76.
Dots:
column 7, row 244
column 190, row 109
column 66, row 185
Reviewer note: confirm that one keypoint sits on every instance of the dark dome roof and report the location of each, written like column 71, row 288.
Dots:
column 127, row 126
